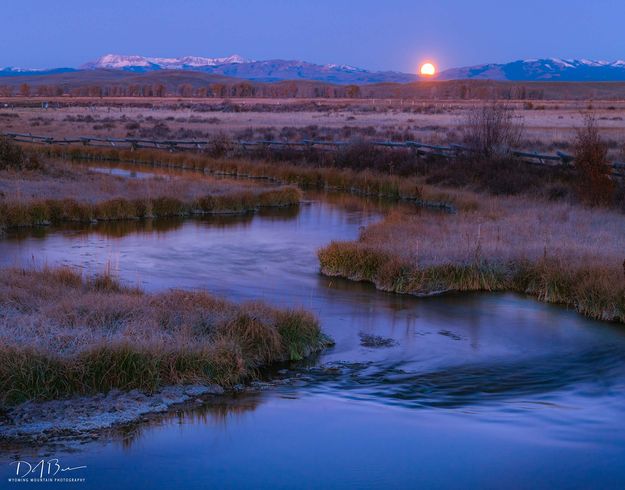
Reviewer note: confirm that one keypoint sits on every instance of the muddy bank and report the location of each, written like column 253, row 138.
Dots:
column 84, row 417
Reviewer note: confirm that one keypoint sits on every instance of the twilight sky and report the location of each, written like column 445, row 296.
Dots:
column 380, row 35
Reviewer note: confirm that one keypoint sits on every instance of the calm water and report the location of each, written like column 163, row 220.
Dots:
column 477, row 391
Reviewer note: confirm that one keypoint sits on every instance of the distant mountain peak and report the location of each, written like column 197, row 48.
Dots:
column 542, row 69
column 239, row 67
column 12, row 71
column 135, row 62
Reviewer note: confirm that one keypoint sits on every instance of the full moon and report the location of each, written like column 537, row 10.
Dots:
column 428, row 69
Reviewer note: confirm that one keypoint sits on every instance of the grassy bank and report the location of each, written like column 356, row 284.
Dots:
column 54, row 211
column 64, row 334
column 358, row 169
column 59, row 192
column 364, row 182
column 557, row 253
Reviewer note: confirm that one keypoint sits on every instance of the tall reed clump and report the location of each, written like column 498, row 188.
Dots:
column 593, row 182
column 62, row 334
column 54, row 211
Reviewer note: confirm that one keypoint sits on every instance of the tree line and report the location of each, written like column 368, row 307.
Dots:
column 287, row 89
column 220, row 90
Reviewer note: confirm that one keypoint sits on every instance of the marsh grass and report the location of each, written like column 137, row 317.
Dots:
column 308, row 176
column 63, row 334
column 422, row 180
column 43, row 197
column 556, row 253
column 51, row 211
column 591, row 291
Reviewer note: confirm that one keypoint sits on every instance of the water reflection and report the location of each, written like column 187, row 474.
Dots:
column 216, row 412
column 120, row 229
column 128, row 173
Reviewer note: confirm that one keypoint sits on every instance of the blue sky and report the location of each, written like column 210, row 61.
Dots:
column 382, row 35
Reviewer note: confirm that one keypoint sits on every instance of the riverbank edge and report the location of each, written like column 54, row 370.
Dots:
column 584, row 289
column 56, row 211
column 231, row 345
column 366, row 182
column 85, row 417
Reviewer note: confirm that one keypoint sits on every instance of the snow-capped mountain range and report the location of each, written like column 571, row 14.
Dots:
column 239, row 67
column 11, row 71
column 545, row 69
column 142, row 63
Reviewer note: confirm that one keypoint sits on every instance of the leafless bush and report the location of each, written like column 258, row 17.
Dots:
column 218, row 146
column 159, row 130
column 591, row 162
column 491, row 130
column 13, row 157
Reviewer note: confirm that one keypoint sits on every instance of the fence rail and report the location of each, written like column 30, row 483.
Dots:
column 419, row 149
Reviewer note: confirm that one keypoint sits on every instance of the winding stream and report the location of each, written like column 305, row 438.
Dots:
column 469, row 391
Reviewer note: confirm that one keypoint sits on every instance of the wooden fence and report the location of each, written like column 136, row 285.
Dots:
column 419, row 149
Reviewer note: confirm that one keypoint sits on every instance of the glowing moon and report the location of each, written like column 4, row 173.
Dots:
column 428, row 69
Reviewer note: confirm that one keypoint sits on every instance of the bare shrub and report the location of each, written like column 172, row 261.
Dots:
column 491, row 130
column 501, row 177
column 218, row 146
column 594, row 185
column 13, row 157
column 159, row 130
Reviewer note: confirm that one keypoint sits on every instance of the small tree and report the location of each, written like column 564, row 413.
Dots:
column 352, row 91
column 185, row 90
column 594, row 185
column 218, row 90
column 6, row 91
column 491, row 130
column 24, row 90
column 160, row 90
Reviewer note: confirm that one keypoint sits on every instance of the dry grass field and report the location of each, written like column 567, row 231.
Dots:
column 549, row 125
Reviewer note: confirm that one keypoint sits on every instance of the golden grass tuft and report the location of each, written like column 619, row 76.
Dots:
column 45, row 212
column 64, row 334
